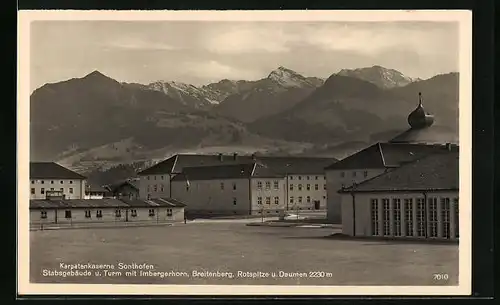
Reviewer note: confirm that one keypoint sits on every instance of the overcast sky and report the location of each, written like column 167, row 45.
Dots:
column 200, row 52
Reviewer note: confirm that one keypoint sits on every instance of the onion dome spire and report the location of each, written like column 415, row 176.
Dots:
column 418, row 118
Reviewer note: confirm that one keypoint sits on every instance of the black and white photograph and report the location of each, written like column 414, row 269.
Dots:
column 212, row 152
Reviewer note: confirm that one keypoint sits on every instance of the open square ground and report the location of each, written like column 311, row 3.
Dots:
column 234, row 253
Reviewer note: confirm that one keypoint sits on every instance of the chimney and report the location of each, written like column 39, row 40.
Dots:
column 235, row 156
column 221, row 157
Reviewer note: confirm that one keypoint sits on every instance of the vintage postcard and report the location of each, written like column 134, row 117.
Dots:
column 244, row 152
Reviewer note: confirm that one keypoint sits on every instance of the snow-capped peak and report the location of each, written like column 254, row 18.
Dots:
column 287, row 78
column 383, row 77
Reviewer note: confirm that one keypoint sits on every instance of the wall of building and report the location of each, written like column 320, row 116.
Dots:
column 72, row 189
column 208, row 197
column 154, row 185
column 363, row 214
column 128, row 192
column 335, row 179
column 268, row 196
column 92, row 195
column 302, row 197
column 79, row 215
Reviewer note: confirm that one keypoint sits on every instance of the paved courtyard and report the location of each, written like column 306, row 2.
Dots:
column 234, row 254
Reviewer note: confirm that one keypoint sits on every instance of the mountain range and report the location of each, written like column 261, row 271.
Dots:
column 98, row 119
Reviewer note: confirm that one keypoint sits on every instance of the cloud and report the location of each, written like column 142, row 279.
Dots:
column 215, row 70
column 247, row 39
column 139, row 45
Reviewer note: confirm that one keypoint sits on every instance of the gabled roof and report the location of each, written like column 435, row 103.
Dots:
column 52, row 170
column 279, row 164
column 385, row 155
column 134, row 183
column 433, row 172
column 104, row 203
column 234, row 171
column 95, row 188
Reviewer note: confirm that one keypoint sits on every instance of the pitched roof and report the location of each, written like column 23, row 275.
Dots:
column 134, row 183
column 438, row 171
column 95, row 188
column 233, row 171
column 280, row 164
column 52, row 170
column 430, row 135
column 385, row 155
column 104, row 203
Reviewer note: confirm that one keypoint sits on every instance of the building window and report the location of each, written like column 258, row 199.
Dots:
column 161, row 177
column 259, row 200
column 133, row 213
column 374, row 217
column 291, row 187
column 276, row 200
column 307, row 177
column 43, row 214
column 445, row 217
column 342, row 174
column 455, row 215
column 421, row 228
column 62, row 189
column 433, row 214
column 354, row 173
column 291, row 199
column 51, row 188
column 169, row 212
column 300, row 199
column 308, row 187
column 324, row 187
column 42, row 191
column 386, row 209
column 291, row 177
column 67, row 214
column 154, row 177
column 155, row 188
column 396, row 215
column 161, row 187
column 222, row 185
column 151, row 212
column 32, row 191
column 87, row 214
column 42, row 182
column 62, row 182
column 300, row 186
column 268, row 185
column 268, row 200
column 51, row 181
column 316, row 178
column 147, row 177
column 148, row 189
column 71, row 190
column 276, row 185
column 99, row 214
column 259, row 185
column 118, row 213
column 308, row 199
column 71, row 182
column 409, row 216
column 365, row 174
column 316, row 187
column 234, row 200
column 32, row 181
column 234, row 186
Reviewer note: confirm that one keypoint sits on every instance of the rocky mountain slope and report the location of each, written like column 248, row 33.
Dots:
column 282, row 89
column 380, row 76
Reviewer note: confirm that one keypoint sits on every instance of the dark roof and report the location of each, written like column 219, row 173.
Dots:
column 104, row 203
column 52, row 170
column 428, row 135
column 263, row 171
column 234, row 171
column 279, row 164
column 134, row 183
column 95, row 188
column 434, row 172
column 385, row 155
